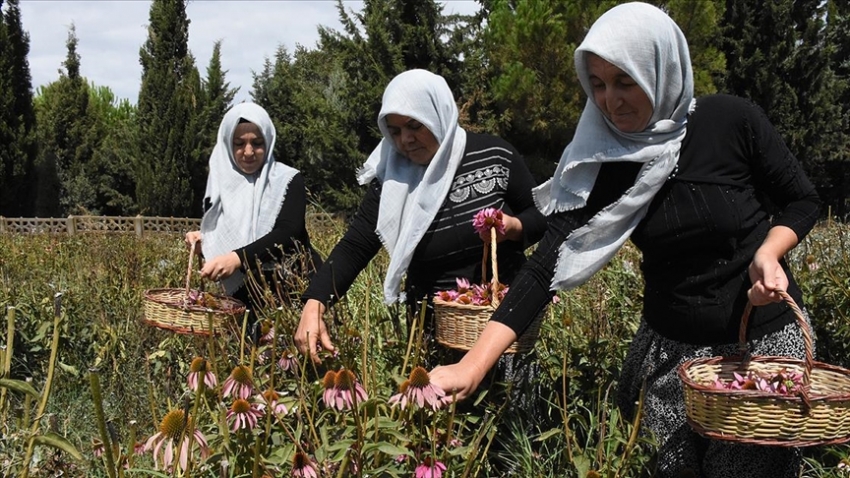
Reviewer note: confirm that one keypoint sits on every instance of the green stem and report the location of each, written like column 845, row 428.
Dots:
column 211, row 345
column 151, row 401
column 450, row 426
column 101, row 422
column 242, row 338
column 303, row 402
column 633, row 436
column 255, row 470
column 7, row 355
column 45, row 394
column 365, row 351
column 131, row 447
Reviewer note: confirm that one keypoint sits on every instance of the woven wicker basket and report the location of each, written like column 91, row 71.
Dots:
column 459, row 325
column 170, row 309
column 818, row 415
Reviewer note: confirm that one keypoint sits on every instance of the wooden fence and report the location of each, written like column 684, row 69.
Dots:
column 138, row 225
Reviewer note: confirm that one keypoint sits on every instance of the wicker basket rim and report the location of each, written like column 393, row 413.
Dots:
column 458, row 305
column 766, row 359
column 238, row 306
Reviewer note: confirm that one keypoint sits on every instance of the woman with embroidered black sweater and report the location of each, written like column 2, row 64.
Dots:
column 709, row 193
column 254, row 210
column 426, row 180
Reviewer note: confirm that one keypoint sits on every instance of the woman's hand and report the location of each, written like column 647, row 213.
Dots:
column 766, row 273
column 221, row 267
column 464, row 377
column 194, row 237
column 458, row 379
column 312, row 330
column 513, row 230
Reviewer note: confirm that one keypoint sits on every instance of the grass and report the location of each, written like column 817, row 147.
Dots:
column 141, row 373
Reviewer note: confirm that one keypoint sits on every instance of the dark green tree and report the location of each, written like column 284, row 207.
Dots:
column 384, row 39
column 215, row 99
column 838, row 45
column 779, row 56
column 110, row 170
column 18, row 148
column 335, row 92
column 306, row 96
column 63, row 135
column 524, row 87
column 166, row 112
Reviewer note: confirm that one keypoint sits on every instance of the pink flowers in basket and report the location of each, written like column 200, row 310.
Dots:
column 783, row 382
column 474, row 294
column 203, row 299
column 471, row 294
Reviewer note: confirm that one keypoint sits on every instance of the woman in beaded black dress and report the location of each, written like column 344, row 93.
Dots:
column 426, row 180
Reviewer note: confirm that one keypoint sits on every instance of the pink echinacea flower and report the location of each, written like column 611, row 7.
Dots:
column 271, row 399
column 430, row 468
column 240, row 383
column 347, row 391
column 417, row 389
column 171, row 431
column 243, row 415
column 200, row 369
column 488, row 218
column 303, row 466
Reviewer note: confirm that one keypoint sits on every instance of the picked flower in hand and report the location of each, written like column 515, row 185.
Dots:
column 487, row 219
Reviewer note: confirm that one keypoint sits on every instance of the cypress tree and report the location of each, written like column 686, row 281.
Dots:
column 70, row 127
column 838, row 47
column 7, row 126
column 18, row 146
column 166, row 111
column 778, row 56
column 215, row 99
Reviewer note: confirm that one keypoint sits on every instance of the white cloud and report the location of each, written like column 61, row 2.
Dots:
column 111, row 32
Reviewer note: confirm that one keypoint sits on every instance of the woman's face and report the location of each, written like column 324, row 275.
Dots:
column 619, row 97
column 249, row 148
column 413, row 140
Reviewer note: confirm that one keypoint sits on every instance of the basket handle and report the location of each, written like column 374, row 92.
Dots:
column 494, row 264
column 807, row 340
column 189, row 272
column 494, row 282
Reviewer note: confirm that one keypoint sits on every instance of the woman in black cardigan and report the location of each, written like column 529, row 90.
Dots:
column 709, row 193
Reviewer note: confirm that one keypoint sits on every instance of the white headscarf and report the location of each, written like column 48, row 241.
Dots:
column 646, row 44
column 412, row 194
column 244, row 207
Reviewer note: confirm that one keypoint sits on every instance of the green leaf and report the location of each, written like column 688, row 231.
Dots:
column 386, row 448
column 148, row 472
column 582, row 464
column 69, row 369
column 19, row 386
column 58, row 442
column 549, row 434
column 340, row 445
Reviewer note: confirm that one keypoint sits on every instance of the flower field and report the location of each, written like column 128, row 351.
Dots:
column 89, row 389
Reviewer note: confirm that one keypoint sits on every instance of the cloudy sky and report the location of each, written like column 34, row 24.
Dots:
column 110, row 33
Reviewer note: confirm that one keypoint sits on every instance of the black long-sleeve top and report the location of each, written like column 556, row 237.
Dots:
column 288, row 235
column 735, row 179
column 491, row 174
